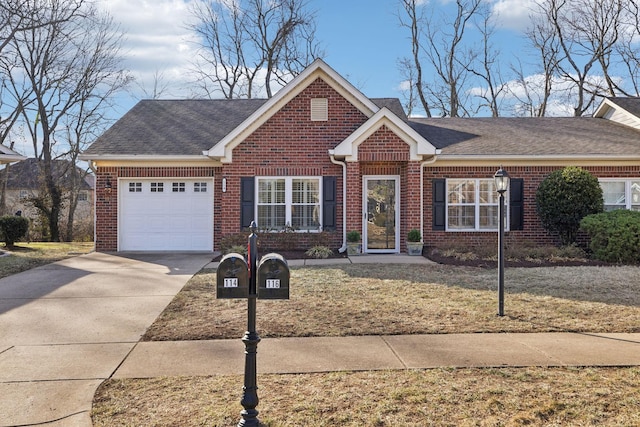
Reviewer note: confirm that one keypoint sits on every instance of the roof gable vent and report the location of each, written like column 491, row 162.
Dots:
column 319, row 110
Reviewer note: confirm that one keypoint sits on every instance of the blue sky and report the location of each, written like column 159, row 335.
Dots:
column 362, row 40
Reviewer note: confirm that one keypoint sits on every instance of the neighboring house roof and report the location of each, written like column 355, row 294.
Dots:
column 529, row 136
column 26, row 175
column 631, row 104
column 625, row 111
column 9, row 156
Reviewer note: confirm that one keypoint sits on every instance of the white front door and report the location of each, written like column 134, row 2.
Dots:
column 165, row 214
column 381, row 231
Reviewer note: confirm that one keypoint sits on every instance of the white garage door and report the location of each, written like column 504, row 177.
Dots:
column 166, row 215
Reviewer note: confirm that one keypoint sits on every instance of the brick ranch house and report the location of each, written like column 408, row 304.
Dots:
column 179, row 175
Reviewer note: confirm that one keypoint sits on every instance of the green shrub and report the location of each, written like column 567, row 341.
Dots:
column 414, row 235
column 564, row 198
column 353, row 236
column 13, row 228
column 614, row 236
column 319, row 252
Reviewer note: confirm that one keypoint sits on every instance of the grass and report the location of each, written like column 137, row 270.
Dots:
column 398, row 299
column 439, row 397
column 25, row 256
column 361, row 299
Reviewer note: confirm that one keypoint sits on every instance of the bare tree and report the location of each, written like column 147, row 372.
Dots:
column 246, row 45
column 412, row 68
column 487, row 67
column 450, row 57
column 627, row 50
column 69, row 68
column 586, row 32
column 16, row 17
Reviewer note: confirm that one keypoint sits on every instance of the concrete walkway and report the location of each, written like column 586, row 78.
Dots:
column 309, row 355
column 66, row 327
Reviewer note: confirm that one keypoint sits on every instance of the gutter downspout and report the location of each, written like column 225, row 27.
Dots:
column 92, row 166
column 422, row 165
column 344, row 200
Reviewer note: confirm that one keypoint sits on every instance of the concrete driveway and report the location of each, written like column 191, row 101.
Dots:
column 67, row 326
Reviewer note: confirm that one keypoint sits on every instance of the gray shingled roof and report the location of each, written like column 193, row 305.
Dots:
column 174, row 127
column 189, row 127
column 184, row 127
column 529, row 136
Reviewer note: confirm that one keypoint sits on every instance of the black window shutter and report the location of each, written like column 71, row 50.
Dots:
column 247, row 194
column 439, row 203
column 329, row 203
column 516, row 204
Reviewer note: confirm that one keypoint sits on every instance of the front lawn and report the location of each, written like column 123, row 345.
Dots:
column 365, row 299
column 24, row 256
column 361, row 299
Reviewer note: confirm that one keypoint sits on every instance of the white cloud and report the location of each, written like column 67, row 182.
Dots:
column 157, row 40
column 513, row 14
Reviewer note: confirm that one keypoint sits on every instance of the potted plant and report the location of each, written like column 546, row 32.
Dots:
column 414, row 244
column 354, row 246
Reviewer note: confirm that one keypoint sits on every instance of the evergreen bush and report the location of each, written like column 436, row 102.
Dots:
column 564, row 198
column 13, row 228
column 614, row 236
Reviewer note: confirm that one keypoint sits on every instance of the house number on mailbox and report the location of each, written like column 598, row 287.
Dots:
column 230, row 282
column 272, row 283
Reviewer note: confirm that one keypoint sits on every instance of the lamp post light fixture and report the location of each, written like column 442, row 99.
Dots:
column 501, row 178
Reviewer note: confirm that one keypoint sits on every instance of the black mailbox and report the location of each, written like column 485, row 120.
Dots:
column 273, row 277
column 232, row 277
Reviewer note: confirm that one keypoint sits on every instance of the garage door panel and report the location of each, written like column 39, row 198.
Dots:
column 166, row 220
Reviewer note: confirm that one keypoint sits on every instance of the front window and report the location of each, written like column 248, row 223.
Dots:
column 621, row 194
column 472, row 205
column 289, row 201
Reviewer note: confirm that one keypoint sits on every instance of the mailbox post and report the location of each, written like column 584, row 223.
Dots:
column 251, row 339
column 238, row 279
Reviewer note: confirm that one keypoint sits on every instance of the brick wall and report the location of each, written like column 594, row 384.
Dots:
column 533, row 231
column 290, row 144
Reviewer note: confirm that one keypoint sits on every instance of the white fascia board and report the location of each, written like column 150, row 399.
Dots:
column 224, row 148
column 11, row 158
column 609, row 104
column 532, row 160
column 7, row 155
column 604, row 106
column 149, row 160
column 419, row 147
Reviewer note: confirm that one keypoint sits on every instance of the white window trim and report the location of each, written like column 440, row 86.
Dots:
column 477, row 204
column 627, row 190
column 288, row 195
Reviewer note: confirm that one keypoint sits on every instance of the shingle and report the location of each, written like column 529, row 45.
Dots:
column 529, row 136
column 174, row 127
column 393, row 104
column 27, row 174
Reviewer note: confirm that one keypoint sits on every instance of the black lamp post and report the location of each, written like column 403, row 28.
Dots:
column 502, row 183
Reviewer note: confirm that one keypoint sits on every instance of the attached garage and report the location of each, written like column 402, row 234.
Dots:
column 165, row 214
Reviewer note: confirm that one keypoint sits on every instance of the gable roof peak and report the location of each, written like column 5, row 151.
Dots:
column 318, row 69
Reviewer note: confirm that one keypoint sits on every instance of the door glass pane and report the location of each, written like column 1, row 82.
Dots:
column 381, row 214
